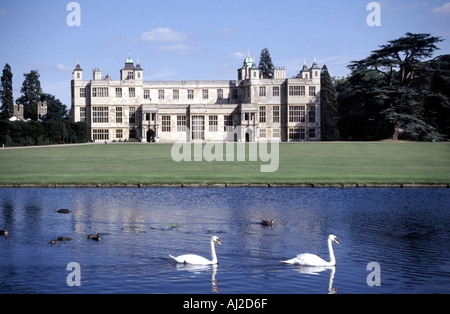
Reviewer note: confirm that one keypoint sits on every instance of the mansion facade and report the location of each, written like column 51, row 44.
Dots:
column 249, row 109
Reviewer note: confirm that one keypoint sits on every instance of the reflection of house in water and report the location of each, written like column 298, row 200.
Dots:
column 250, row 109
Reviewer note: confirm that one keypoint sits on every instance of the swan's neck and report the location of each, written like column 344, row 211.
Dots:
column 213, row 253
column 330, row 250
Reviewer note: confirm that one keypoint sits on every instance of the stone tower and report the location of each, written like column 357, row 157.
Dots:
column 41, row 109
column 18, row 112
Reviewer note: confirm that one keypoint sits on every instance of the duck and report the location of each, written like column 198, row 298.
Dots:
column 63, row 239
column 52, row 242
column 4, row 232
column 95, row 237
column 268, row 223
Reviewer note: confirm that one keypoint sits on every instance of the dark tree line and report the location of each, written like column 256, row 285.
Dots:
column 20, row 133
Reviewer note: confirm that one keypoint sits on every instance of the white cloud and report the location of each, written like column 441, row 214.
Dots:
column 177, row 48
column 64, row 68
column 444, row 9
column 163, row 34
column 163, row 74
column 238, row 55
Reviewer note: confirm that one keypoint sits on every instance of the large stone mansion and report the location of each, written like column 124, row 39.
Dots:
column 249, row 109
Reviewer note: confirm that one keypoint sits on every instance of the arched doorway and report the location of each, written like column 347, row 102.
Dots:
column 150, row 136
column 248, row 136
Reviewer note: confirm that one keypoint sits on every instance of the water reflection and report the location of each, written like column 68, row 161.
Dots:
column 315, row 270
column 404, row 230
column 199, row 269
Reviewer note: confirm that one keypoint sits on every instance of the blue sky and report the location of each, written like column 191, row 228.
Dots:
column 201, row 39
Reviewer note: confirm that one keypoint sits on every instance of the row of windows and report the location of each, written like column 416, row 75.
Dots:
column 190, row 94
column 101, row 114
column 301, row 91
column 300, row 134
column 296, row 114
column 197, row 124
column 103, row 92
column 275, row 133
column 103, row 134
column 263, row 91
column 199, row 129
column 293, row 91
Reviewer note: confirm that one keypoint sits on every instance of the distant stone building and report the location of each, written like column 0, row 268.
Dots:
column 41, row 110
column 249, row 109
column 19, row 113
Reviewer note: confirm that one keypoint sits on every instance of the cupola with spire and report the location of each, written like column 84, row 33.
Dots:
column 129, row 63
column 77, row 73
column 315, row 71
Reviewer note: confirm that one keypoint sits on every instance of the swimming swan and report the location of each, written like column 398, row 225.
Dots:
column 198, row 260
column 314, row 260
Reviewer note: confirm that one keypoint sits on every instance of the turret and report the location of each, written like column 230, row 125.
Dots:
column 138, row 72
column 77, row 73
column 315, row 71
column 304, row 73
column 127, row 73
column 97, row 74
column 249, row 70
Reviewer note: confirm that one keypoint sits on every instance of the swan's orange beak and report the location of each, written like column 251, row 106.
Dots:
column 218, row 242
column 336, row 240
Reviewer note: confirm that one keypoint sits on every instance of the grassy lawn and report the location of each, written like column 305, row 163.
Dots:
column 310, row 163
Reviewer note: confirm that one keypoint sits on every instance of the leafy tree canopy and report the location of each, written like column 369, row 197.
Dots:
column 390, row 88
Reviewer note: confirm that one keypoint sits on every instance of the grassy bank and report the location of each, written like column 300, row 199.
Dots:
column 304, row 163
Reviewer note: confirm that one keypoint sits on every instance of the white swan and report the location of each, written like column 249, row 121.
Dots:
column 199, row 260
column 314, row 260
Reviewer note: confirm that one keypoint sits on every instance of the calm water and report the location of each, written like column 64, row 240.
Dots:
column 406, row 231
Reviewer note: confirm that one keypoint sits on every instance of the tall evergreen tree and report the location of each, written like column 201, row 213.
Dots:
column 31, row 94
column 328, row 111
column 265, row 64
column 6, row 93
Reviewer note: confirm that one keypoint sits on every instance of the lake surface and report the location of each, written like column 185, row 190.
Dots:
column 405, row 231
